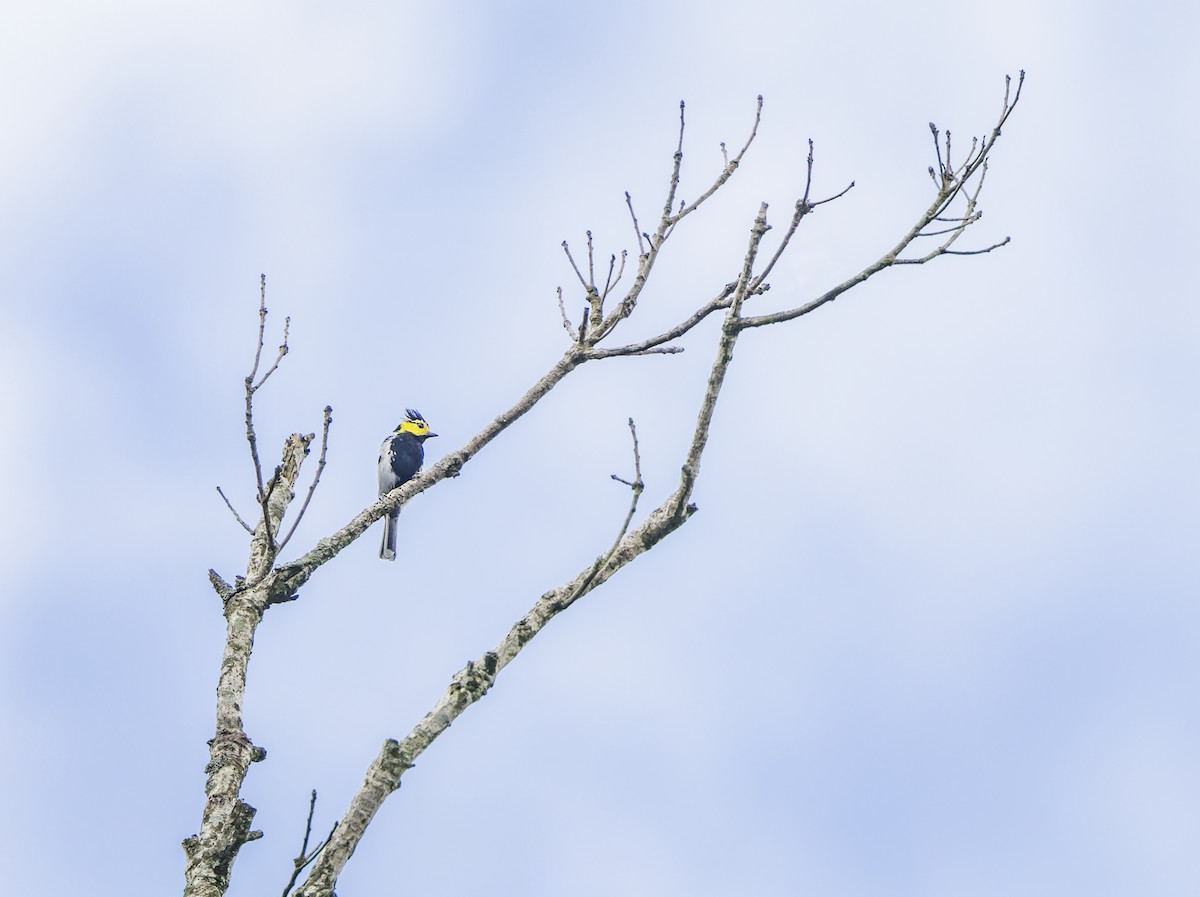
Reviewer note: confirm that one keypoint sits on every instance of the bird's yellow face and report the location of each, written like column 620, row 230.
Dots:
column 415, row 425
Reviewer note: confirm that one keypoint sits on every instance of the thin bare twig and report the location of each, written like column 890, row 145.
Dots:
column 562, row 309
column 247, row 527
column 591, row 284
column 727, row 172
column 283, row 350
column 964, row 222
column 665, row 223
column 304, row 857
column 838, row 195
column 316, row 476
column 262, row 324
column 636, row 229
column 803, row 207
column 571, row 259
column 608, row 283
column 651, row 245
column 637, row 487
column 1003, row 242
column 251, row 388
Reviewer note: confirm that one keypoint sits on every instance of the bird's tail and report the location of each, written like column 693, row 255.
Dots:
column 387, row 551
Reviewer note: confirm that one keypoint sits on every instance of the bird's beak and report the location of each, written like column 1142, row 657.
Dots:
column 430, row 435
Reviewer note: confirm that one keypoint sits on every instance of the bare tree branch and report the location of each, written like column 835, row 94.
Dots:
column 726, row 172
column 667, row 226
column 952, row 186
column 227, row 818
column 225, row 824
column 473, row 682
column 295, row 574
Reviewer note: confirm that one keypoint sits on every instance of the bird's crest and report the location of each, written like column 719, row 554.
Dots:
column 414, row 423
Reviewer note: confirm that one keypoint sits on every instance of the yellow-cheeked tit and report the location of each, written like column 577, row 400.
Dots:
column 400, row 458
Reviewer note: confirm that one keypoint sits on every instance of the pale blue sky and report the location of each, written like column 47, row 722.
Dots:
column 933, row 631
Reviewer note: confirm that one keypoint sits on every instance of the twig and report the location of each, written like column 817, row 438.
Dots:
column 648, row 245
column 838, row 195
column 562, row 309
column 963, row 222
column 591, row 284
column 808, row 173
column 304, row 857
column 262, row 324
column 608, row 282
column 637, row 487
column 283, row 350
column 316, row 476
column 570, row 258
column 236, row 515
column 1003, row 242
column 803, row 207
column 666, row 222
column 636, row 229
column 251, row 389
column 727, row 172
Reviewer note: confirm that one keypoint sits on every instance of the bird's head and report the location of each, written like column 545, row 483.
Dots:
column 415, row 424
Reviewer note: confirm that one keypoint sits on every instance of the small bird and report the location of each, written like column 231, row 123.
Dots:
column 400, row 458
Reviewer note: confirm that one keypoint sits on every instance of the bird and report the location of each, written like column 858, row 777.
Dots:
column 400, row 457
